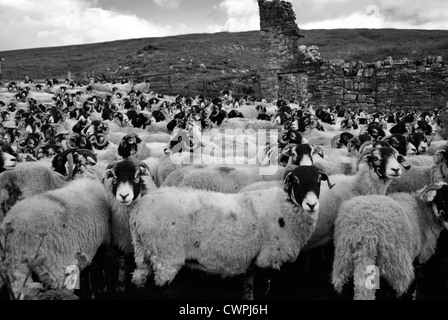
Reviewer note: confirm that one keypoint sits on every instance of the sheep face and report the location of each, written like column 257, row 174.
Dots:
column 128, row 145
column 401, row 144
column 303, row 187
column 419, row 142
column 302, row 154
column 385, row 162
column 436, row 195
column 127, row 183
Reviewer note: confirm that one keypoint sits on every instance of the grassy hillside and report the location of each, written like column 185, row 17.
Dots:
column 203, row 62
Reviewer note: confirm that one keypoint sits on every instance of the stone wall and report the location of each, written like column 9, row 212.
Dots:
column 279, row 42
column 300, row 74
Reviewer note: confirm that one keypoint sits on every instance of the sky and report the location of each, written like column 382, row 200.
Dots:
column 44, row 23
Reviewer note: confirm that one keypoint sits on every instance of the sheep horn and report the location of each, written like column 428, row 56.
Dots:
column 365, row 153
column 105, row 141
column 280, row 137
column 439, row 155
column 88, row 154
column 37, row 150
column 335, row 141
column 366, row 145
column 431, row 187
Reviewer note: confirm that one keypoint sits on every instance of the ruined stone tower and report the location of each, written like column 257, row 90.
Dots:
column 279, row 47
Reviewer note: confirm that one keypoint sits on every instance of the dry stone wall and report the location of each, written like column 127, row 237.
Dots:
column 299, row 73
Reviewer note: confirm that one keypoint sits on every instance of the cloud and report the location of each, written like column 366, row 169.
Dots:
column 29, row 24
column 168, row 4
column 242, row 15
column 398, row 14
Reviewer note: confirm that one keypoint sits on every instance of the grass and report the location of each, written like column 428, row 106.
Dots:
column 208, row 62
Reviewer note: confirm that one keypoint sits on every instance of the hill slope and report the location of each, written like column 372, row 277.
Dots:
column 203, row 62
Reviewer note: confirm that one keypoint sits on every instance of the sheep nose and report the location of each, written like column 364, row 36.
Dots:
column 423, row 149
column 124, row 197
column 395, row 170
column 311, row 206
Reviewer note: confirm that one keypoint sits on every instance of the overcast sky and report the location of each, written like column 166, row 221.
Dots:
column 43, row 23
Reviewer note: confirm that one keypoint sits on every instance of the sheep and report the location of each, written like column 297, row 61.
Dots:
column 388, row 232
column 131, row 145
column 223, row 233
column 29, row 179
column 125, row 182
column 383, row 166
column 142, row 87
column 75, row 219
column 421, row 175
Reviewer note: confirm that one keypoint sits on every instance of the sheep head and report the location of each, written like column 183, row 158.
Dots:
column 384, row 161
column 129, row 145
column 127, row 183
column 302, row 184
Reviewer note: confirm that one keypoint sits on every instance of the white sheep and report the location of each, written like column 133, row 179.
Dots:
column 388, row 232
column 29, row 179
column 223, row 233
column 433, row 169
column 75, row 219
column 383, row 165
column 26, row 180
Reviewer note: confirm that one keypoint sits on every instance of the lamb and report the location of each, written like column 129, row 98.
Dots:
column 75, row 219
column 383, row 165
column 223, row 233
column 388, row 232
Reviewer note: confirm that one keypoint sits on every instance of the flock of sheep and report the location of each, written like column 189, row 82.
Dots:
column 173, row 183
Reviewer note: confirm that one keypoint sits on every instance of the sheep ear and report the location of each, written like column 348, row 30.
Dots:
column 318, row 150
column 438, row 156
column 137, row 138
column 286, row 180
column 429, row 196
column 90, row 160
column 144, row 171
column 401, row 160
column 109, row 173
column 324, row 177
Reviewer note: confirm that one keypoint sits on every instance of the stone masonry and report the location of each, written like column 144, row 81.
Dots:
column 299, row 74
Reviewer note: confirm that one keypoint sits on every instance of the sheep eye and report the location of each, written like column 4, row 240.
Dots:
column 375, row 158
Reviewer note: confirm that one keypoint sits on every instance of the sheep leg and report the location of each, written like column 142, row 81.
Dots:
column 143, row 267
column 121, row 274
column 97, row 275
column 248, row 284
column 111, row 269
